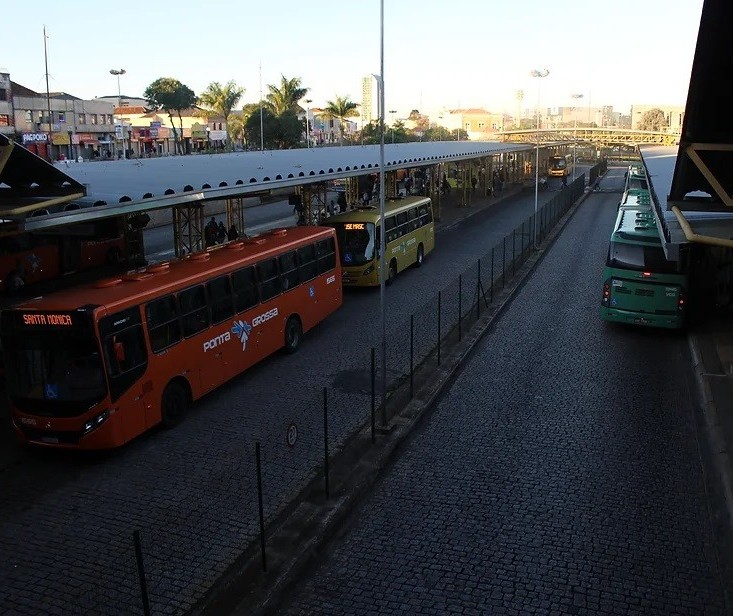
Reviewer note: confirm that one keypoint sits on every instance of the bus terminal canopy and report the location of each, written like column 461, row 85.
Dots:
column 702, row 176
column 29, row 183
column 133, row 186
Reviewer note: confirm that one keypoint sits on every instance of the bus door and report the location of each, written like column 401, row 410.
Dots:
column 70, row 253
column 126, row 360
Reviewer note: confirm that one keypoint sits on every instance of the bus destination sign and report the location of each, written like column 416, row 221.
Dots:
column 45, row 319
column 354, row 226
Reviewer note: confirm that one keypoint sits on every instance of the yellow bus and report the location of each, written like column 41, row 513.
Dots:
column 410, row 236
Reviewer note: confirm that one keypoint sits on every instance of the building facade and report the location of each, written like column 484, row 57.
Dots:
column 57, row 125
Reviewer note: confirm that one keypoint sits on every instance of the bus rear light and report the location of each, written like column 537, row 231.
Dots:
column 606, row 292
column 646, row 274
column 681, row 302
column 95, row 422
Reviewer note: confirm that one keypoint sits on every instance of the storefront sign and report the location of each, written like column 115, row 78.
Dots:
column 60, row 138
column 35, row 138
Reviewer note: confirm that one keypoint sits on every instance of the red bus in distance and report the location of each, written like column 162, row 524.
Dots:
column 94, row 366
column 29, row 258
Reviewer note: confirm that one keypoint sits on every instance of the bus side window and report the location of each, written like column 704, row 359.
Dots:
column 390, row 233
column 402, row 224
column 426, row 214
column 326, row 251
column 413, row 220
column 163, row 325
column 307, row 262
column 220, row 299
column 126, row 358
column 194, row 310
column 269, row 279
column 244, row 284
column 289, row 271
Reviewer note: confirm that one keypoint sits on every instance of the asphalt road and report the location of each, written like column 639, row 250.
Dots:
column 68, row 520
column 560, row 475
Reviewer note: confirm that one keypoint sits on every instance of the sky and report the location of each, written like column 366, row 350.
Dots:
column 437, row 55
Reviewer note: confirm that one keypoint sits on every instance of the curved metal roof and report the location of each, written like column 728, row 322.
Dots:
column 247, row 172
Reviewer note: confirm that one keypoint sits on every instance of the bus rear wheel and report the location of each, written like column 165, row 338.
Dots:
column 420, row 255
column 174, row 405
column 293, row 334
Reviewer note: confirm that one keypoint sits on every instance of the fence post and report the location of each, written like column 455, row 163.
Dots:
column 325, row 440
column 522, row 242
column 141, row 572
column 261, row 507
column 460, row 306
column 412, row 355
column 503, row 261
column 439, row 305
column 491, row 292
column 478, row 291
column 374, row 393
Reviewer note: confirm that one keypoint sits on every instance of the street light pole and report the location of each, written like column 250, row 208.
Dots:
column 540, row 74
column 575, row 131
column 308, row 101
column 392, row 112
column 117, row 73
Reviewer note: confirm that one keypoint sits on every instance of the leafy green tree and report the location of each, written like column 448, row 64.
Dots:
column 220, row 100
column 654, row 119
column 286, row 97
column 339, row 109
column 371, row 133
column 170, row 95
column 280, row 131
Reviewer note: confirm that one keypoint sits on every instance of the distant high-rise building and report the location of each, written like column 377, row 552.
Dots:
column 367, row 97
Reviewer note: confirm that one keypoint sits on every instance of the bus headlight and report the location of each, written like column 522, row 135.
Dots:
column 368, row 270
column 95, row 422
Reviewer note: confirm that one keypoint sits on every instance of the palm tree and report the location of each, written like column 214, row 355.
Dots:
column 220, row 100
column 340, row 109
column 286, row 97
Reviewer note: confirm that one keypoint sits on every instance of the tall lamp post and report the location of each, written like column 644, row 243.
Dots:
column 392, row 112
column 576, row 97
column 537, row 73
column 308, row 101
column 117, row 73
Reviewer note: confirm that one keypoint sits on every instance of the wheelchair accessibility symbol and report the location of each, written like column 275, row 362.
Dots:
column 292, row 435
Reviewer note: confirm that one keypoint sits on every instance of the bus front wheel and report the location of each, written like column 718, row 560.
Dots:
column 293, row 334
column 174, row 405
column 13, row 282
column 392, row 272
column 420, row 255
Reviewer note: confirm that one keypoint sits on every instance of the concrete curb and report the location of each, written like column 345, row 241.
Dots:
column 713, row 428
column 305, row 530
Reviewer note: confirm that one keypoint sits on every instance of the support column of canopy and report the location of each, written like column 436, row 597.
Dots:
column 188, row 228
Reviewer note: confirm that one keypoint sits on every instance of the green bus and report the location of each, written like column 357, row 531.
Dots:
column 640, row 285
column 636, row 197
column 409, row 237
column 636, row 177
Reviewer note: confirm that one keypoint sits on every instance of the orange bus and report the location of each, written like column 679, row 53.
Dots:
column 94, row 366
column 29, row 258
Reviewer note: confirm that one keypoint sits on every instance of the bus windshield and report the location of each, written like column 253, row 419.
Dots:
column 640, row 258
column 558, row 162
column 56, row 374
column 357, row 242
